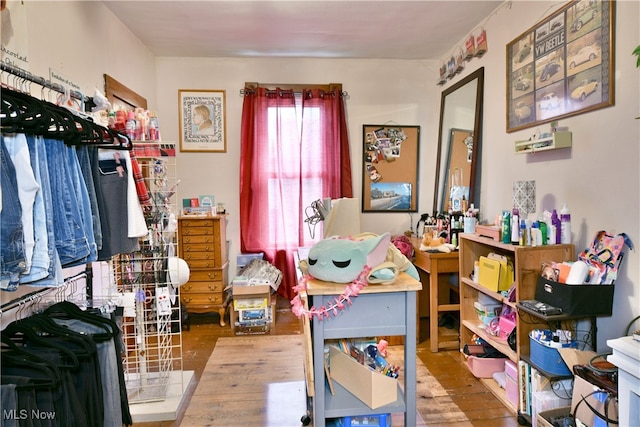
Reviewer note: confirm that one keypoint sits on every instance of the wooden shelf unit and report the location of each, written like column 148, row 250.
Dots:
column 527, row 261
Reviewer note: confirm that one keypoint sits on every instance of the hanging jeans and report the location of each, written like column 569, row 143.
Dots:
column 16, row 145
column 43, row 217
column 84, row 205
column 85, row 166
column 71, row 239
column 12, row 254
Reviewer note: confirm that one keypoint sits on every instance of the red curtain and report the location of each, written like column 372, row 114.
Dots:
column 294, row 150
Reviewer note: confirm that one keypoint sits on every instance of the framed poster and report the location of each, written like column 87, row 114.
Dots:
column 562, row 66
column 390, row 171
column 202, row 120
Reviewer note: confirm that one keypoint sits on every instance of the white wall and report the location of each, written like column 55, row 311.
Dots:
column 397, row 92
column 84, row 41
column 598, row 177
column 81, row 41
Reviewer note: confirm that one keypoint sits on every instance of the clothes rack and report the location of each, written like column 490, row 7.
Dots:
column 26, row 75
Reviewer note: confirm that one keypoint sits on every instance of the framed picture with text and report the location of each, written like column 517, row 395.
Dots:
column 202, row 120
column 562, row 66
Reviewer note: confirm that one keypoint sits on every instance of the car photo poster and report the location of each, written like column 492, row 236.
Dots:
column 562, row 66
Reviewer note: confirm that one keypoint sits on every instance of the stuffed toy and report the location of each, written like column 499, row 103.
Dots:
column 355, row 261
column 435, row 244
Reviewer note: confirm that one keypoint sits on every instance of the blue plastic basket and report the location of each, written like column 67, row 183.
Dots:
column 378, row 420
column 548, row 358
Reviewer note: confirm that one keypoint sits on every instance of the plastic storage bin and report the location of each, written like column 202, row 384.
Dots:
column 378, row 420
column 548, row 358
column 511, row 382
column 484, row 367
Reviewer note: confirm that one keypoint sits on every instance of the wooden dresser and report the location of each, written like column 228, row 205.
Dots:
column 203, row 245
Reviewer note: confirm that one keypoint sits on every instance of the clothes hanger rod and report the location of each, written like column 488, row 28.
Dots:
column 16, row 71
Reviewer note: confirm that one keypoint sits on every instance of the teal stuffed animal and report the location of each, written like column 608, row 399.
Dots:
column 341, row 260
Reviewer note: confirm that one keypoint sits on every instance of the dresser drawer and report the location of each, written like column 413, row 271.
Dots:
column 195, row 256
column 197, row 223
column 201, row 287
column 199, row 238
column 201, row 300
column 199, row 247
column 215, row 275
column 195, row 264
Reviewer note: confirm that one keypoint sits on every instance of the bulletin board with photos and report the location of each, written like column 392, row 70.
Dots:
column 390, row 171
column 562, row 66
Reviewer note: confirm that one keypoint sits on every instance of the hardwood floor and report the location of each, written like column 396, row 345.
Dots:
column 480, row 406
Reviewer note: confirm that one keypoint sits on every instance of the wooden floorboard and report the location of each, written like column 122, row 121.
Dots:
column 477, row 402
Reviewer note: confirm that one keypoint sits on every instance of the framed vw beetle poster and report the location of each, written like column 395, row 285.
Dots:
column 562, row 66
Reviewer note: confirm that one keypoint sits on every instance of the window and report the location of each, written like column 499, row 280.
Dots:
column 294, row 150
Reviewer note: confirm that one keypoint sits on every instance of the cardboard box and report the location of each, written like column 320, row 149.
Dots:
column 372, row 388
column 251, row 297
column 583, row 388
column 542, row 401
column 587, row 300
column 546, row 418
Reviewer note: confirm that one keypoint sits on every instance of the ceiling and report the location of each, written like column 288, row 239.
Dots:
column 418, row 29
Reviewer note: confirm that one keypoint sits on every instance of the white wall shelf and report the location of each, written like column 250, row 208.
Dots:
column 560, row 139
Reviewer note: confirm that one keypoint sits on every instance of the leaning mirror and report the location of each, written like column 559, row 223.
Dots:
column 459, row 140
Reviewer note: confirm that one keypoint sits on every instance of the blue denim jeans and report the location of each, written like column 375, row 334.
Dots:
column 87, row 174
column 70, row 236
column 16, row 145
column 12, row 255
column 43, row 221
column 84, row 204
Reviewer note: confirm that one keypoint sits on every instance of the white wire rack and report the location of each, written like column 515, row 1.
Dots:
column 150, row 322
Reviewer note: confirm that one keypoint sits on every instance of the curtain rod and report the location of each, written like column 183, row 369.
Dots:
column 26, row 75
column 249, row 91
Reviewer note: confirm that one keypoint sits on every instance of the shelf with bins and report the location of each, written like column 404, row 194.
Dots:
column 526, row 262
column 559, row 139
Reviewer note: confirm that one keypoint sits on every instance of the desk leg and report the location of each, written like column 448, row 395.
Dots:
column 434, row 301
column 410, row 387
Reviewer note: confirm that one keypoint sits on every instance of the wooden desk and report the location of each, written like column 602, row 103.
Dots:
column 434, row 264
column 377, row 310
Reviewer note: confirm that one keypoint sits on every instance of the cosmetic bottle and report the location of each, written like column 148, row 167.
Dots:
column 555, row 221
column 515, row 227
column 565, row 224
column 506, row 227
column 130, row 125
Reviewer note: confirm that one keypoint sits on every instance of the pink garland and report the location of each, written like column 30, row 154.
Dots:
column 350, row 290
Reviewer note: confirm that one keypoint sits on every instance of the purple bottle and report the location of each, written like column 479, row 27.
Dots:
column 555, row 221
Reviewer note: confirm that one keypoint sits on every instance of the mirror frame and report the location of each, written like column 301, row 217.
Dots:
column 443, row 142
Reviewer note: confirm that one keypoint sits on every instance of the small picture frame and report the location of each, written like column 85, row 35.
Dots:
column 202, row 119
